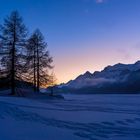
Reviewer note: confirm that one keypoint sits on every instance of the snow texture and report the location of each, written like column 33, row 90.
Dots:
column 77, row 117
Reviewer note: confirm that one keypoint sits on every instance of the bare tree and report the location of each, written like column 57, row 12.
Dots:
column 52, row 83
column 39, row 60
column 13, row 35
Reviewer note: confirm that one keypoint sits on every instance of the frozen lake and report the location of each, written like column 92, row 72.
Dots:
column 78, row 117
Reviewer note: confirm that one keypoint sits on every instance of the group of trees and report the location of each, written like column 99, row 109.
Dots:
column 23, row 57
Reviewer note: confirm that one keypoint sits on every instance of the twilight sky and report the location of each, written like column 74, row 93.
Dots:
column 83, row 35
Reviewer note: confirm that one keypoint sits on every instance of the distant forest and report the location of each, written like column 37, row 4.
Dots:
column 24, row 56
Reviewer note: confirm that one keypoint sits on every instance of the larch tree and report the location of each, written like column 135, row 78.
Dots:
column 13, row 35
column 52, row 83
column 39, row 60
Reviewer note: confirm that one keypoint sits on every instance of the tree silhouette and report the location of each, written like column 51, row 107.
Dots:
column 13, row 37
column 22, row 58
column 39, row 60
column 52, row 82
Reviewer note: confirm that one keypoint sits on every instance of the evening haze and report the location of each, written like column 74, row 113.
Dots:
column 83, row 35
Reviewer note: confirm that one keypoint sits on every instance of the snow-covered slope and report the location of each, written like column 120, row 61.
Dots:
column 78, row 117
column 118, row 73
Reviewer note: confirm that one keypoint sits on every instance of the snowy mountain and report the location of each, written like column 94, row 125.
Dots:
column 119, row 77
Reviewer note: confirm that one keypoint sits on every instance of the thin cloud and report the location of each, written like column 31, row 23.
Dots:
column 100, row 1
column 124, row 53
column 97, row 1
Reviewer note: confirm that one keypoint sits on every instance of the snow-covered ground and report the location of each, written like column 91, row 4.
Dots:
column 78, row 117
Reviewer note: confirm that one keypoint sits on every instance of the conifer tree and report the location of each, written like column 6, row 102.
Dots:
column 39, row 60
column 13, row 35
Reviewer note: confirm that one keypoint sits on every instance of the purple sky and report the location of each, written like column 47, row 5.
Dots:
column 83, row 35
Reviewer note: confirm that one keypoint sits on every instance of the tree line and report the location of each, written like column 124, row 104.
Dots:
column 23, row 56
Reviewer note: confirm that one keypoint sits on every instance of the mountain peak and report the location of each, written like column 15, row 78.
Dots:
column 137, row 63
column 87, row 73
column 110, row 75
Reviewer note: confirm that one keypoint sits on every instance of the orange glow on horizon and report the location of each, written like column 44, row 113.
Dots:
column 71, row 65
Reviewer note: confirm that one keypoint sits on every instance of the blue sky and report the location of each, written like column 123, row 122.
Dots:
column 83, row 34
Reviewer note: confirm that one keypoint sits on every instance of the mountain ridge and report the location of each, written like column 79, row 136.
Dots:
column 120, row 77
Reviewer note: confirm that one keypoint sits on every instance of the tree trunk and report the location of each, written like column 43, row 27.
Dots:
column 51, row 91
column 38, row 80
column 13, row 70
column 35, row 70
column 13, row 61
